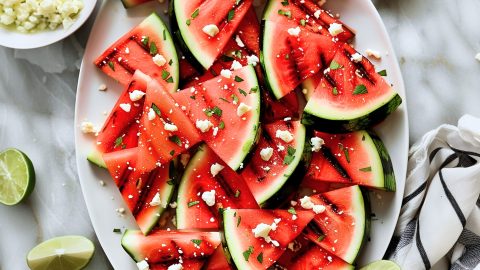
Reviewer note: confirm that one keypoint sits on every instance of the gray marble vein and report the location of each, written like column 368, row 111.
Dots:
column 435, row 41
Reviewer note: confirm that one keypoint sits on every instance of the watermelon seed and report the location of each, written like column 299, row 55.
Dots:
column 347, row 155
column 247, row 253
column 170, row 62
column 226, row 58
column 172, row 152
column 188, row 22
column 260, row 257
column 164, row 34
column 230, row 15
column 190, row 204
column 192, row 97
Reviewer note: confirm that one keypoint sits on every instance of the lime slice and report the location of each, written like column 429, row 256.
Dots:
column 61, row 253
column 17, row 176
column 381, row 265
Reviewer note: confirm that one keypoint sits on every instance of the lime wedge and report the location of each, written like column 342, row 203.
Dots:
column 381, row 265
column 61, row 253
column 17, row 176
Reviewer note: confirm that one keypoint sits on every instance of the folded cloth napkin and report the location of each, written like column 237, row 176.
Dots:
column 440, row 214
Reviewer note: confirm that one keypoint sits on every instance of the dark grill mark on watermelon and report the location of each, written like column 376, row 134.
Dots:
column 327, row 153
column 330, row 203
column 313, row 226
column 361, row 68
column 223, row 184
column 144, row 193
column 330, row 80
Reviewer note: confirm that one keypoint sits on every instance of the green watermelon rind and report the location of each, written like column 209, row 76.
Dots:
column 232, row 254
column 95, row 157
column 322, row 117
column 389, row 182
column 129, row 243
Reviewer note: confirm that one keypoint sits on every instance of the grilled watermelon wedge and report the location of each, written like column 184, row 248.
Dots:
column 357, row 158
column 205, row 27
column 255, row 239
column 169, row 247
column 351, row 96
column 120, row 129
column 148, row 48
column 341, row 227
column 165, row 130
column 226, row 112
column 273, row 175
column 193, row 212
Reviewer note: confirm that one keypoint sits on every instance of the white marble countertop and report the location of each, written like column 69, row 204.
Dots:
column 435, row 40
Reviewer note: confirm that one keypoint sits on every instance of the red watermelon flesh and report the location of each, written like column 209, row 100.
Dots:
column 240, row 239
column 186, row 264
column 218, row 261
column 119, row 162
column 120, row 129
column 274, row 110
column 217, row 100
column 341, row 228
column 133, row 3
column 230, row 191
column 169, row 246
column 158, row 143
column 135, row 51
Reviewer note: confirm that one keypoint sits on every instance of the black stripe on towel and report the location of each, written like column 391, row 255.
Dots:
column 434, row 153
column 450, row 197
column 471, row 257
column 421, row 249
column 414, row 194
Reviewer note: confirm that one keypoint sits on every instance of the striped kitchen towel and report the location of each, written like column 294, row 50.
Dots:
column 439, row 223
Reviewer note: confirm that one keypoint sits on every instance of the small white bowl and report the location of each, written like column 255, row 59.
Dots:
column 18, row 40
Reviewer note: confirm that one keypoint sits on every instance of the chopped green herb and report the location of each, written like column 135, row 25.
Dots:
column 247, row 253
column 347, row 155
column 164, row 34
column 111, row 65
column 260, row 257
column 170, row 62
column 169, row 80
column 335, row 65
column 171, row 182
column 145, row 41
column 242, row 92
column 188, row 22
column 165, row 74
column 254, row 89
column 291, row 150
column 214, row 111
column 193, row 203
column 221, row 125
column 237, row 193
column 175, row 139
column 234, row 98
column 224, row 99
column 360, row 89
column 290, row 156
column 230, row 15
column 285, row 2
column 303, row 22
column 366, row 169
column 320, row 238
column 195, row 13
column 172, row 152
column 238, row 54
column 286, row 13
column 226, row 58
column 119, row 141
column 238, row 79
column 117, row 230
column 382, row 72
column 153, row 48
column 156, row 109
column 197, row 241
column 292, row 211
column 239, row 219
column 335, row 91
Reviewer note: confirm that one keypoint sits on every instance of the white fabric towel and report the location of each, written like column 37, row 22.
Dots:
column 440, row 215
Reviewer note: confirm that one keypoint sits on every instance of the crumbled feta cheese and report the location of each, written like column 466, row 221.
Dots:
column 203, row 125
column 239, row 41
column 215, row 169
column 266, row 153
column 136, row 95
column 317, row 208
column 176, row 266
column 102, row 87
column 211, row 30
column 209, row 197
column 373, row 53
column 170, row 127
column 156, row 201
column 262, row 230
column 151, row 114
column 126, row 107
column 477, row 56
column 317, row 13
column 236, row 65
column 294, row 217
column 226, row 73
column 215, row 131
column 357, row 58
column 285, row 135
column 294, row 31
column 316, row 143
column 306, row 203
column 159, row 60
column 252, row 60
column 335, row 29
column 243, row 109
column 143, row 265
column 88, row 127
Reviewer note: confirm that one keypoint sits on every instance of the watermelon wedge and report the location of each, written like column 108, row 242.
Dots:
column 351, row 95
column 205, row 27
column 226, row 113
column 341, row 227
column 218, row 260
column 168, row 247
column 148, row 48
column 230, row 190
column 165, row 131
column 357, row 158
column 255, row 239
column 306, row 13
column 120, row 129
column 276, row 166
column 120, row 163
column 291, row 54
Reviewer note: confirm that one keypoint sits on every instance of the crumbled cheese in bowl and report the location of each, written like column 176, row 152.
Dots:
column 37, row 15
